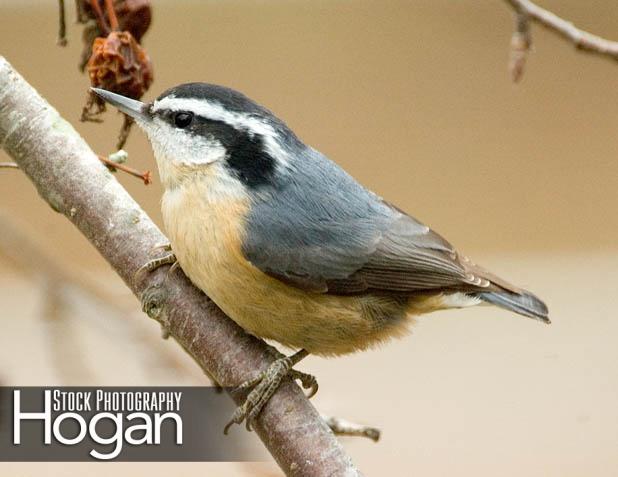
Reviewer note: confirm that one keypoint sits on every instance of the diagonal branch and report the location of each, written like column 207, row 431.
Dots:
column 582, row 40
column 68, row 175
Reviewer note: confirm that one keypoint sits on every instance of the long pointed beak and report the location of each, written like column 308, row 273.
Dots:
column 131, row 107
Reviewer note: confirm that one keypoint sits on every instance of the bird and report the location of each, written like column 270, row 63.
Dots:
column 289, row 245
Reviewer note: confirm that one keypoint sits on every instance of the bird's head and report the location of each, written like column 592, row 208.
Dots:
column 198, row 127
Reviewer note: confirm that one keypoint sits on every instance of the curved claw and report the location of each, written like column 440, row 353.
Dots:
column 237, row 418
column 307, row 380
column 155, row 263
column 164, row 247
column 264, row 387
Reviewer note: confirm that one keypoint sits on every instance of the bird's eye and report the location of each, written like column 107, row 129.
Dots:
column 183, row 119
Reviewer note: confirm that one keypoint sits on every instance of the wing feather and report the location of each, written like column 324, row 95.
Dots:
column 323, row 232
column 402, row 257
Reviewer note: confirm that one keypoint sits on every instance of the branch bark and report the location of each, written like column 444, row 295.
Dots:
column 69, row 176
column 582, row 40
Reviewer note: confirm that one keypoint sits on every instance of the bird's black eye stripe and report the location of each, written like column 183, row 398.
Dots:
column 182, row 119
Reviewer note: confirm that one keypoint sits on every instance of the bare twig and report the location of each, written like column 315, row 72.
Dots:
column 103, row 26
column 112, row 165
column 65, row 172
column 111, row 14
column 582, row 40
column 521, row 41
column 62, row 24
column 125, row 129
column 341, row 427
column 146, row 176
column 80, row 13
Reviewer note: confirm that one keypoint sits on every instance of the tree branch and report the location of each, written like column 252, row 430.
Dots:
column 582, row 40
column 69, row 176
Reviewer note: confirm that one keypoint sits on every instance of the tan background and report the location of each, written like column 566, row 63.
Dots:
column 414, row 100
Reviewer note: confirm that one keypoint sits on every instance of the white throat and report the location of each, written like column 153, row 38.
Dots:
column 177, row 151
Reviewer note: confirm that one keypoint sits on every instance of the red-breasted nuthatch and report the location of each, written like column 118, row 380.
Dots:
column 289, row 245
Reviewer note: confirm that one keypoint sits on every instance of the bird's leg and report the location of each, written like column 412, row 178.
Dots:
column 308, row 381
column 152, row 265
column 266, row 384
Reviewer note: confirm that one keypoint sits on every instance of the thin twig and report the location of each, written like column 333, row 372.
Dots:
column 521, row 41
column 146, row 176
column 125, row 130
column 80, row 13
column 341, row 427
column 111, row 14
column 103, row 26
column 63, row 168
column 582, row 40
column 62, row 25
column 8, row 165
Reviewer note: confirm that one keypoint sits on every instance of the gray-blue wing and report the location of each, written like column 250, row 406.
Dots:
column 322, row 231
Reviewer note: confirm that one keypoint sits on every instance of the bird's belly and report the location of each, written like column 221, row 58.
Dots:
column 207, row 237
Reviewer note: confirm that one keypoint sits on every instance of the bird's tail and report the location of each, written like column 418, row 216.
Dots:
column 524, row 303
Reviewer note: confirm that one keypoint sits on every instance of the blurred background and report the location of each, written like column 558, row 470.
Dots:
column 412, row 98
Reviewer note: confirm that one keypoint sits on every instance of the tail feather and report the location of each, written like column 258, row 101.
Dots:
column 524, row 303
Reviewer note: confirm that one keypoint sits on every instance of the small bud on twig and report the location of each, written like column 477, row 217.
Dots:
column 521, row 41
column 528, row 11
column 119, row 157
column 341, row 427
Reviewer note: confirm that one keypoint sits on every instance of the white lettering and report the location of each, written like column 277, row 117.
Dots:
column 18, row 416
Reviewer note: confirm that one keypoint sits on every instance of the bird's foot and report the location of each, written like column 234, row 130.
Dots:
column 308, row 381
column 167, row 259
column 266, row 384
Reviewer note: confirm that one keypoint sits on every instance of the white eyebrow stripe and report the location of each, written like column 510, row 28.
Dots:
column 215, row 111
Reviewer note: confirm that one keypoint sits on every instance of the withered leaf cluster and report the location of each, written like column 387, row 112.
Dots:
column 133, row 16
column 113, row 56
column 119, row 64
